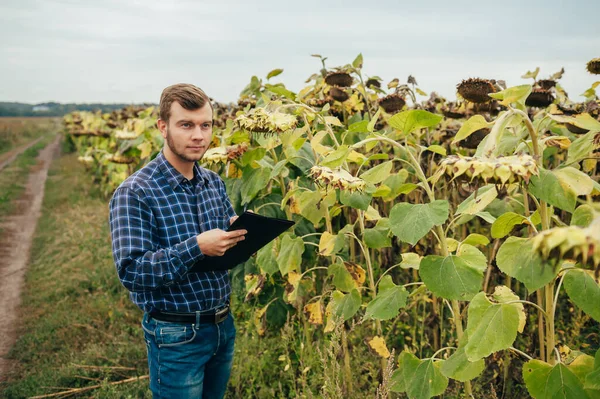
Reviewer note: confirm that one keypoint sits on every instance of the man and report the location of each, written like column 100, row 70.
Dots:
column 164, row 220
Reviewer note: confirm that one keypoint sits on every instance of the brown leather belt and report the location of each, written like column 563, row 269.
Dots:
column 214, row 317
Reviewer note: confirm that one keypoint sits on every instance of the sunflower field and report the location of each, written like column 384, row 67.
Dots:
column 455, row 238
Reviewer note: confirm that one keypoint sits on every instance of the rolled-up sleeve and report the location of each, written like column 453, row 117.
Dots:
column 140, row 263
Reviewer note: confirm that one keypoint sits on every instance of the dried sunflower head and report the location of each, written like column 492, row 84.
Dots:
column 237, row 150
column 318, row 102
column 392, row 103
column 86, row 160
column 224, row 154
column 501, row 170
column 215, row 155
column 261, row 120
column 338, row 94
column 338, row 178
column 581, row 244
column 546, row 84
column 340, row 79
column 116, row 158
column 593, row 66
column 539, row 98
column 476, row 90
column 126, row 134
column 373, row 82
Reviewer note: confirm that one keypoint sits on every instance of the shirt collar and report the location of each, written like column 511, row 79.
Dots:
column 174, row 177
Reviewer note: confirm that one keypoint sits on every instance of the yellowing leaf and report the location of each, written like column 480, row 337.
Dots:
column 332, row 120
column 254, row 285
column 356, row 157
column 372, row 214
column 378, row 345
column 575, row 180
column 315, row 312
column 327, row 243
column 452, row 244
column 357, row 272
column 316, row 145
column 145, row 148
column 516, row 94
column 331, row 318
column 474, row 123
column 259, row 320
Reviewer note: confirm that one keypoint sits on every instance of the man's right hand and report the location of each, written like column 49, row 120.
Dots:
column 215, row 242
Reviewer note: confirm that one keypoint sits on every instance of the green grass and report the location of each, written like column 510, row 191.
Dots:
column 74, row 311
column 15, row 132
column 13, row 178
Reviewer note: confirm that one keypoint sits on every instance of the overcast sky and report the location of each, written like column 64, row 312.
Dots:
column 129, row 50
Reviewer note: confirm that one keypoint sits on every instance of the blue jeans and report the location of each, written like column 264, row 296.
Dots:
column 189, row 360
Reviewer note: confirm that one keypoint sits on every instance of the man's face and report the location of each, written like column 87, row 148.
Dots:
column 188, row 133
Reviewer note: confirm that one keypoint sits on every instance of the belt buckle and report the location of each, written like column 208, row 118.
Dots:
column 221, row 315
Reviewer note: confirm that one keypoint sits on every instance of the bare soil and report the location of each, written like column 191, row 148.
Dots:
column 15, row 244
column 7, row 158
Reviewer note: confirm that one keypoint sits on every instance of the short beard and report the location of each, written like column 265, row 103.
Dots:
column 174, row 150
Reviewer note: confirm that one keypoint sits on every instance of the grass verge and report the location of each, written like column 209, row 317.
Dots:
column 17, row 131
column 13, row 178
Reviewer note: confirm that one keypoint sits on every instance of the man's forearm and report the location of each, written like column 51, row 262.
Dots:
column 150, row 270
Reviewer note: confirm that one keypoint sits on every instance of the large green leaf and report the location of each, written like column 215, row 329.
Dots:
column 254, row 181
column 493, row 326
column 517, row 258
column 250, row 156
column 420, row 379
column 378, row 173
column 453, row 277
column 574, row 180
column 403, row 375
column 583, row 216
column 356, row 199
column 346, row 306
column 313, row 206
column 476, row 239
column 584, row 292
column 544, row 381
column 411, row 120
column 547, row 187
column 582, row 147
column 342, row 279
column 515, row 94
column 411, row 222
column 505, row 223
column 337, row 157
column 397, row 185
column 592, row 379
column 265, row 259
column 282, row 91
column 290, row 254
column 584, row 121
column 469, row 127
column 477, row 201
column 459, row 368
column 389, row 300
column 378, row 237
column 428, row 381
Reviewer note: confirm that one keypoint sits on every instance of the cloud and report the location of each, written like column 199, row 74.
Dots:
column 121, row 51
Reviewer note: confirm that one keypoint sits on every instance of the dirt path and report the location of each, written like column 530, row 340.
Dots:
column 15, row 244
column 10, row 156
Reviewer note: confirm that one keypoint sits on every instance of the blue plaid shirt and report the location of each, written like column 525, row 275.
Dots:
column 155, row 216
